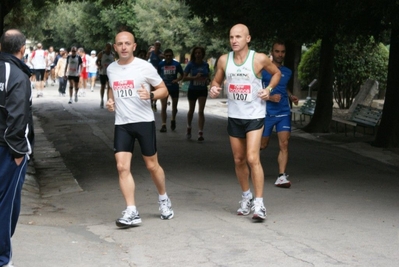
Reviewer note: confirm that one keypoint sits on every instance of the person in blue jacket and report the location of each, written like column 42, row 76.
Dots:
column 15, row 134
column 278, row 112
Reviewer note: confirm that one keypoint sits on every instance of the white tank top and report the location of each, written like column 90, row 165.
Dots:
column 39, row 59
column 242, row 87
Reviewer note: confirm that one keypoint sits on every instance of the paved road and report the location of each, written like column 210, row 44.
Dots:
column 342, row 209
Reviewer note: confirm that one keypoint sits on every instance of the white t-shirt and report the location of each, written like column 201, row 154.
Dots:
column 242, row 89
column 92, row 63
column 124, row 81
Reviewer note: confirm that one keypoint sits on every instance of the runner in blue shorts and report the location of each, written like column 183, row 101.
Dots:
column 278, row 112
column 169, row 69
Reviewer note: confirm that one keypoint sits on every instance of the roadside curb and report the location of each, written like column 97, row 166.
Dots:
column 55, row 178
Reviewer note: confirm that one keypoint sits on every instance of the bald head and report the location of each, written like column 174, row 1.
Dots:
column 125, row 34
column 243, row 29
column 12, row 42
column 125, row 46
column 239, row 37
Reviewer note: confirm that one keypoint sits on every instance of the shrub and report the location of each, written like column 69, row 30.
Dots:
column 354, row 63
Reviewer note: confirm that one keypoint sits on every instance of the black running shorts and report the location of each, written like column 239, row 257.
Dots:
column 125, row 136
column 239, row 127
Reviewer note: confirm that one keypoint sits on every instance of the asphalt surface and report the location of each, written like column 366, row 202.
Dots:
column 342, row 208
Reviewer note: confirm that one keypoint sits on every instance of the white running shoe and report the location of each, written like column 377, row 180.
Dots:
column 282, row 181
column 259, row 211
column 246, row 205
column 129, row 219
column 165, row 206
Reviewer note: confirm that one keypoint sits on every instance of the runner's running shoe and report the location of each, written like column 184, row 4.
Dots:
column 173, row 125
column 163, row 129
column 259, row 211
column 246, row 205
column 165, row 206
column 282, row 181
column 129, row 219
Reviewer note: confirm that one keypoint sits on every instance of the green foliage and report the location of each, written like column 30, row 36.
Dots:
column 355, row 62
column 169, row 21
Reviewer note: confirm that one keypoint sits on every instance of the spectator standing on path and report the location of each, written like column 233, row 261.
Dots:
column 130, row 95
column 242, row 69
column 59, row 71
column 72, row 71
column 155, row 56
column 84, row 74
column 39, row 63
column 169, row 70
column 278, row 112
column 15, row 120
column 104, row 58
column 51, row 63
column 92, row 63
column 197, row 72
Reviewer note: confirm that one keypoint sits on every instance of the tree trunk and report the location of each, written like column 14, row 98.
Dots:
column 320, row 122
column 2, row 16
column 5, row 8
column 182, row 56
column 388, row 132
column 292, row 59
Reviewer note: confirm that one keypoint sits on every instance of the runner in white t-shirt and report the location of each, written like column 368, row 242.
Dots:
column 130, row 80
column 246, row 112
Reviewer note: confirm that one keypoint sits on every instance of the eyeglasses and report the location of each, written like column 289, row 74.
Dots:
column 168, row 55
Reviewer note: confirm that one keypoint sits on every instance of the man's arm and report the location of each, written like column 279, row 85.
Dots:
column 263, row 62
column 18, row 116
column 98, row 62
column 66, row 66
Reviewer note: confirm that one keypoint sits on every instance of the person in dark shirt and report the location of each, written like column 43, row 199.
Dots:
column 15, row 134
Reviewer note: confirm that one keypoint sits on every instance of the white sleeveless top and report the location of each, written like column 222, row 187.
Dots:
column 39, row 59
column 242, row 87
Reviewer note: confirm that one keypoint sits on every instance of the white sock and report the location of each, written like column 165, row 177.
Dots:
column 163, row 197
column 131, row 208
column 259, row 199
column 247, row 193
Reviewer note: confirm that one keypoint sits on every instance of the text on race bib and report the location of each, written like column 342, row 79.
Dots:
column 169, row 70
column 124, row 89
column 240, row 92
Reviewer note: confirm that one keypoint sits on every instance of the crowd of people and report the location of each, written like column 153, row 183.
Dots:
column 73, row 67
column 256, row 88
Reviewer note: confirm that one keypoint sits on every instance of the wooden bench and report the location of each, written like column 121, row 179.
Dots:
column 307, row 109
column 364, row 116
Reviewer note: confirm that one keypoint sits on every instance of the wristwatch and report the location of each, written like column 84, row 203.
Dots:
column 151, row 96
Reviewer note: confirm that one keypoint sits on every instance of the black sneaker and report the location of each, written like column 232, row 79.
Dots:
column 163, row 129
column 188, row 133
column 129, row 219
column 200, row 136
column 173, row 125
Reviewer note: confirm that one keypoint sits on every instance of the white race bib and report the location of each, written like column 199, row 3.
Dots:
column 124, row 89
column 240, row 92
